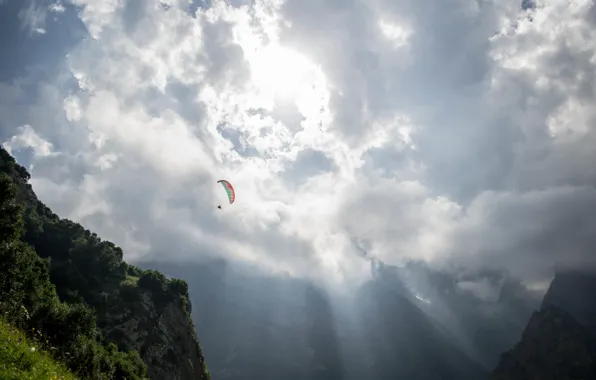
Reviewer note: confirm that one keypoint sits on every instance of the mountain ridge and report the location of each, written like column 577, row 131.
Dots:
column 559, row 341
column 346, row 340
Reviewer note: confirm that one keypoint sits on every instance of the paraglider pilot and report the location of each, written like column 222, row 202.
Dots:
column 229, row 190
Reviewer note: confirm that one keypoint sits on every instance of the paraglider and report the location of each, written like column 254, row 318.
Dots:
column 229, row 190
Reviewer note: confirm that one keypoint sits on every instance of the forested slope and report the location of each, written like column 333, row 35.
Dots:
column 102, row 317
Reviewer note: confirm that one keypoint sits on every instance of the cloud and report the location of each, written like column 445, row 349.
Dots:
column 33, row 18
column 27, row 138
column 460, row 133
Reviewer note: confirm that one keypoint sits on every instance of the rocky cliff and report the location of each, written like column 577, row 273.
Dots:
column 135, row 309
column 162, row 332
column 559, row 341
column 553, row 346
column 573, row 291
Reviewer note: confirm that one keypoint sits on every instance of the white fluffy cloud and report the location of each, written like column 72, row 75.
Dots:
column 458, row 132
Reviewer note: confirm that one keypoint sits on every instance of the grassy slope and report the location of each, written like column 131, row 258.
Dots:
column 20, row 359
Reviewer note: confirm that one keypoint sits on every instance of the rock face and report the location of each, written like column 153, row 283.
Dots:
column 574, row 293
column 553, row 346
column 163, row 335
column 559, row 340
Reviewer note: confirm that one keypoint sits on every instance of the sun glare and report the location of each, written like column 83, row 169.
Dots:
column 284, row 73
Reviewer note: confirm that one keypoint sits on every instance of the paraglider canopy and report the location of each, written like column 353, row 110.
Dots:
column 229, row 190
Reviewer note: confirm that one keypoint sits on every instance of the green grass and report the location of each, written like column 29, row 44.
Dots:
column 21, row 360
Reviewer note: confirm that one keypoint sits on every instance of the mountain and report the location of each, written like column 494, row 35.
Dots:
column 255, row 325
column 258, row 327
column 573, row 291
column 406, row 343
column 559, row 341
column 101, row 315
column 483, row 326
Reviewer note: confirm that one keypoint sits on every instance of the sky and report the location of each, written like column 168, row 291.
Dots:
column 456, row 132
